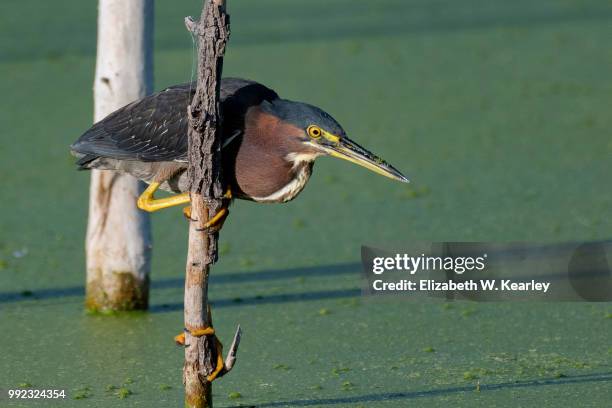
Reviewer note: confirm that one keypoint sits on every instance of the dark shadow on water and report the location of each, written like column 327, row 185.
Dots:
column 261, row 300
column 218, row 279
column 277, row 274
column 52, row 293
column 390, row 396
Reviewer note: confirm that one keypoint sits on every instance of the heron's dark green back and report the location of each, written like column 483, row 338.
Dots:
column 155, row 128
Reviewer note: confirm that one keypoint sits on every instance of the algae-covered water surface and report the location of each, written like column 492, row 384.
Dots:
column 499, row 113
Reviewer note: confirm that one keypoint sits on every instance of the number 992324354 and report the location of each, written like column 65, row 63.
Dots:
column 21, row 393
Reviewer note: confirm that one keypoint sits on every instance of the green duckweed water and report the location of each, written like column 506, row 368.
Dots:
column 499, row 112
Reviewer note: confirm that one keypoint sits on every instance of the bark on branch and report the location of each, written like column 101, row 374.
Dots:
column 212, row 33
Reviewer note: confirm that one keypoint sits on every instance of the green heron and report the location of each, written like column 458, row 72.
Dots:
column 269, row 145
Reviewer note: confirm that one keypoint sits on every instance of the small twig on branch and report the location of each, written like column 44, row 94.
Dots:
column 191, row 24
column 232, row 353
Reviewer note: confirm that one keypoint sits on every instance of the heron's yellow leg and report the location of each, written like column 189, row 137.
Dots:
column 147, row 202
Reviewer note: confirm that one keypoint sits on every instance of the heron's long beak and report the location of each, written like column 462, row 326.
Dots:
column 348, row 150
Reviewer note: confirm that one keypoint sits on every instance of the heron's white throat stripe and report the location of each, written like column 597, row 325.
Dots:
column 302, row 166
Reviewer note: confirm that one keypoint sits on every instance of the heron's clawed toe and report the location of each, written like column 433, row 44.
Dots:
column 179, row 339
column 215, row 223
column 187, row 213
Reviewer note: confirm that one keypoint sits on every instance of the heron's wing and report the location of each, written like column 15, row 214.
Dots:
column 151, row 129
column 155, row 128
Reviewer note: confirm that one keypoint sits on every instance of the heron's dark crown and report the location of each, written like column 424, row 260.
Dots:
column 302, row 115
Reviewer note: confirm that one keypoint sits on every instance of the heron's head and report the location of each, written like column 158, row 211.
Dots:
column 313, row 132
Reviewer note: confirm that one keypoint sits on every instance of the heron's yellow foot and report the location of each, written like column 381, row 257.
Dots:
column 216, row 222
column 206, row 331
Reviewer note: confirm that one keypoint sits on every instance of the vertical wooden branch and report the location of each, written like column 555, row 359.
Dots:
column 212, row 32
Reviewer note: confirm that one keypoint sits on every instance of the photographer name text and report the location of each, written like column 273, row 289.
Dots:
column 464, row 285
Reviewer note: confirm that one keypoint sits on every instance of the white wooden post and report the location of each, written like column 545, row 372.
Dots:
column 118, row 244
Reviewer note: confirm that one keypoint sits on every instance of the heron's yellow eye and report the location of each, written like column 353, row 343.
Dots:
column 314, row 131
